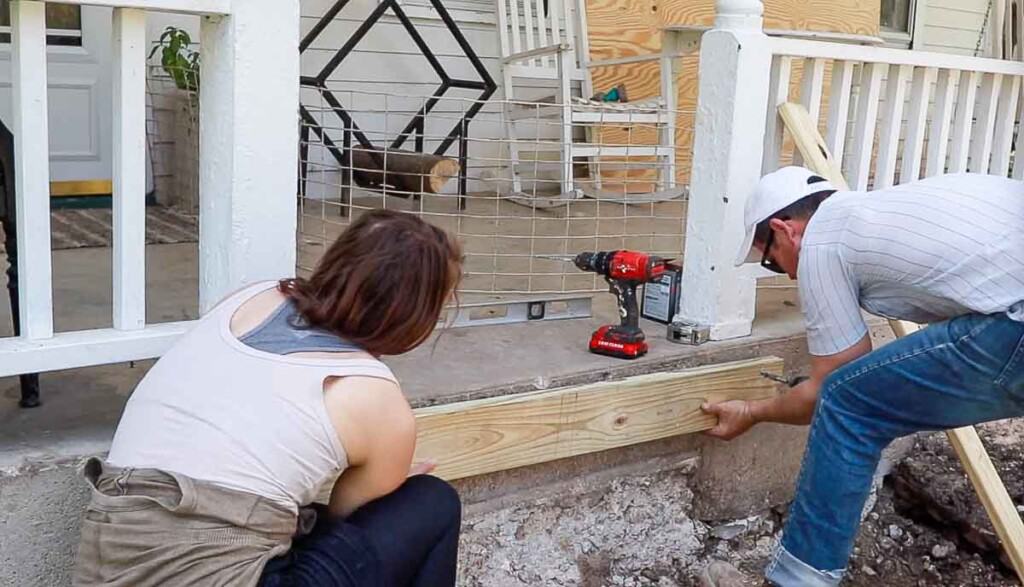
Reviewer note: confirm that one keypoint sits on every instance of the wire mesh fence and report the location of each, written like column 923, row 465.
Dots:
column 518, row 183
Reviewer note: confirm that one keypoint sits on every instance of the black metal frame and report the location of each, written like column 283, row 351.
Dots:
column 416, row 126
column 29, row 381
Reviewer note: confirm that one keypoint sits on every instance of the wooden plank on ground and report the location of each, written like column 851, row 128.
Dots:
column 483, row 436
column 975, row 460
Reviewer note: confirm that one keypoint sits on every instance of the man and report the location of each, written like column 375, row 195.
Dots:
column 948, row 251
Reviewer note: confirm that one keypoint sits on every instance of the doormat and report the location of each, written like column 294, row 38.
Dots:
column 73, row 229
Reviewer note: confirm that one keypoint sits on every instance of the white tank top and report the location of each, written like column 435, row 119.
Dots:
column 216, row 410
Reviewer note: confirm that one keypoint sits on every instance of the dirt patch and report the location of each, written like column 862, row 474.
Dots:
column 926, row 528
column 929, row 528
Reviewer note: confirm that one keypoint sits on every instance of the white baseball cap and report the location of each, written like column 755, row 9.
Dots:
column 774, row 192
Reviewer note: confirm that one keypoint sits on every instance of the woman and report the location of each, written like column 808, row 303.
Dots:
column 272, row 395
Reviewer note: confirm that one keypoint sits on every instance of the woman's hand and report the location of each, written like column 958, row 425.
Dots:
column 734, row 418
column 424, row 468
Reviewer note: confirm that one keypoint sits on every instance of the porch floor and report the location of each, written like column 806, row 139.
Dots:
column 81, row 407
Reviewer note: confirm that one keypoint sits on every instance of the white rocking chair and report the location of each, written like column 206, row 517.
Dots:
column 547, row 40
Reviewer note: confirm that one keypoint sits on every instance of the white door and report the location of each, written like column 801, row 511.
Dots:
column 79, row 49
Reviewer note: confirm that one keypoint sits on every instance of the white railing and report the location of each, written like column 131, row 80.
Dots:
column 890, row 116
column 912, row 114
column 248, row 132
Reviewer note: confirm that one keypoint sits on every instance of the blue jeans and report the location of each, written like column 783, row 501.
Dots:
column 407, row 538
column 962, row 371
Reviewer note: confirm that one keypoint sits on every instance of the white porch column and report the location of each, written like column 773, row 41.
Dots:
column 735, row 64
column 248, row 145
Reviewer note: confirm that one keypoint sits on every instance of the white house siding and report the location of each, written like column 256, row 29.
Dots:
column 952, row 26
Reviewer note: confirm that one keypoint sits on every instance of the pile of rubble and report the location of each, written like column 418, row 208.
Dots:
column 926, row 527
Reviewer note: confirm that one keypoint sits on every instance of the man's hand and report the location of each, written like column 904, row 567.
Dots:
column 734, row 418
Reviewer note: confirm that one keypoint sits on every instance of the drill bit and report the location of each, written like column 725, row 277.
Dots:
column 566, row 258
column 790, row 381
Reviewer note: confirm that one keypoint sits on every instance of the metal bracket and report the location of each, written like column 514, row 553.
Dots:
column 686, row 333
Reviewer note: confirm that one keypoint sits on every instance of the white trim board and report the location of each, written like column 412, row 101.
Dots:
column 85, row 348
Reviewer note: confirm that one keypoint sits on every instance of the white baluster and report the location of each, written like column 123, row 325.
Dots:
column 554, row 8
column 839, row 108
column 516, row 29
column 981, row 141
column 530, row 28
column 778, row 93
column 889, row 137
column 542, row 32
column 811, row 88
column 1018, row 160
column 864, row 124
column 965, row 95
column 996, row 27
column 129, row 197
column 503, row 27
column 32, row 167
column 938, row 130
column 1002, row 143
column 913, row 144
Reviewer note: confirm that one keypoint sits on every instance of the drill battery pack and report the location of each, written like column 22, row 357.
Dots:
column 660, row 300
column 614, row 342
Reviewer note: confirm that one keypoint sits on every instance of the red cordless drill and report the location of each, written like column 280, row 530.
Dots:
column 624, row 271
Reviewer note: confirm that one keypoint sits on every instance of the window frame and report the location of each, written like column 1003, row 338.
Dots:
column 904, row 39
column 54, row 37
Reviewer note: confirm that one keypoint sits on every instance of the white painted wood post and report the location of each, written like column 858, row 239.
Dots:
column 129, row 197
column 867, row 119
column 735, row 60
column 889, row 136
column 32, row 168
column 778, row 94
column 248, row 138
column 839, row 108
column 938, row 130
column 1002, row 144
column 965, row 102
column 811, row 89
column 985, row 119
column 913, row 145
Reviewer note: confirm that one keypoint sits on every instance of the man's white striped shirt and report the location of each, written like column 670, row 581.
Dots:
column 924, row 251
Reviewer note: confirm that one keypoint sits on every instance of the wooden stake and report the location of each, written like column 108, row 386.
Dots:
column 976, row 462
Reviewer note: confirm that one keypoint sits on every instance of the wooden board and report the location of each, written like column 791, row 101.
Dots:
column 483, row 436
column 810, row 143
column 976, row 462
column 859, row 17
column 626, row 28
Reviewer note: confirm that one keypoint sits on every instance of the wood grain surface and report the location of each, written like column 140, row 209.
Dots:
column 482, row 436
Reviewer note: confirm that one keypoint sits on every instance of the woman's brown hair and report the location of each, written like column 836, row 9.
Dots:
column 382, row 284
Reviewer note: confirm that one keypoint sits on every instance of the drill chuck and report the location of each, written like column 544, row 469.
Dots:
column 593, row 262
